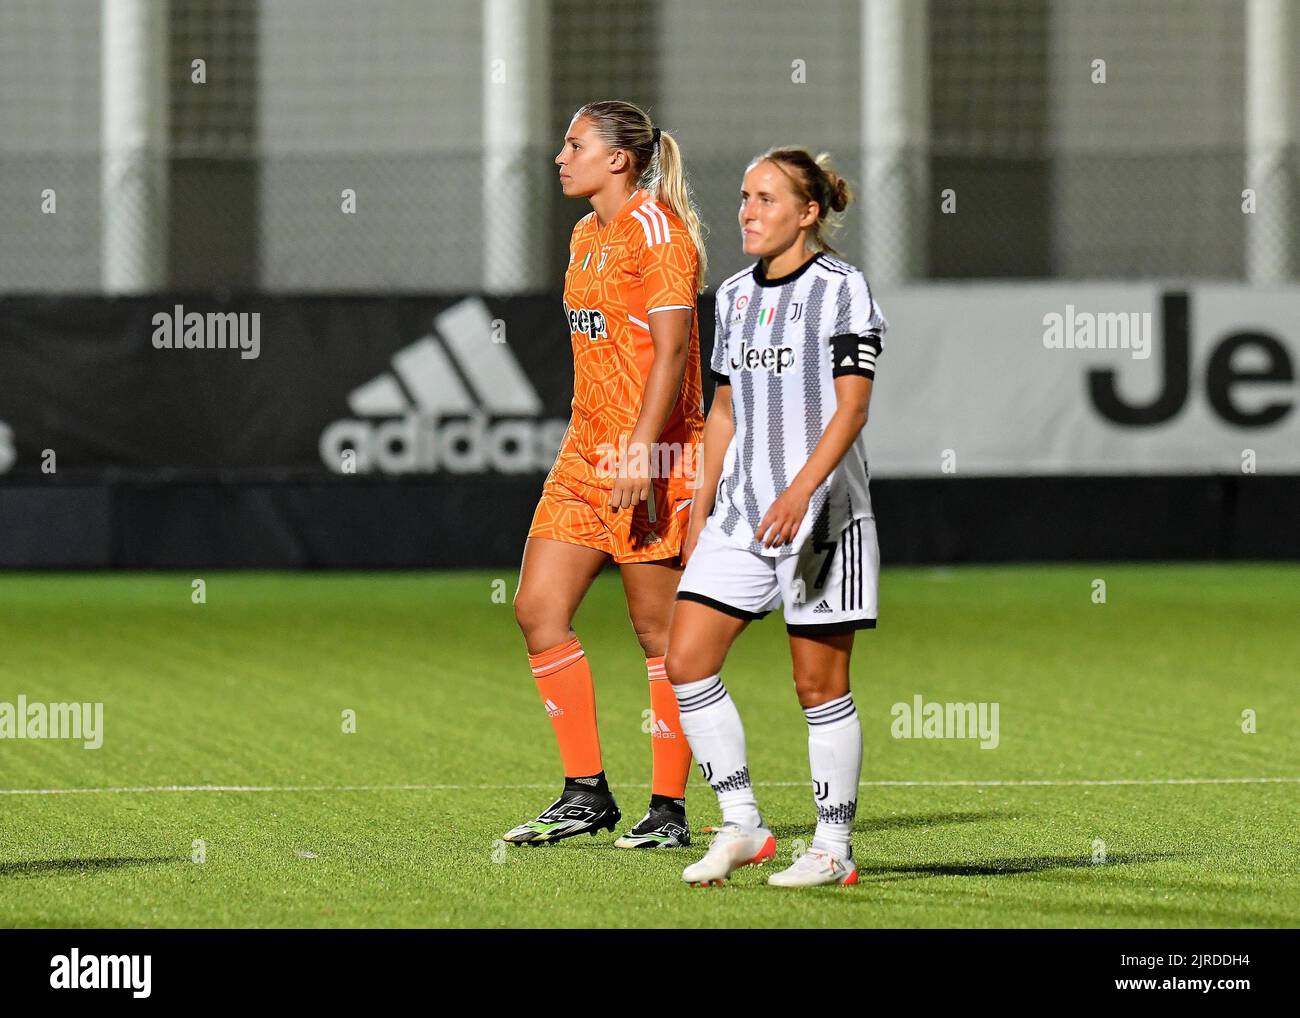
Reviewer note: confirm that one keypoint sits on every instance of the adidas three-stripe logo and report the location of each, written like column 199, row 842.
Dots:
column 851, row 572
column 829, row 713
column 710, row 695
column 653, row 222
column 866, row 358
column 430, row 377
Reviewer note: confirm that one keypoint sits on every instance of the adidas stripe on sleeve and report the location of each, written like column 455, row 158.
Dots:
column 667, row 261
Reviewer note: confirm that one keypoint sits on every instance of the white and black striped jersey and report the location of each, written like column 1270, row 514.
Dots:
column 779, row 343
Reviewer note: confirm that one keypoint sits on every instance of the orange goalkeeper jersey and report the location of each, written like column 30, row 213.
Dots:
column 643, row 261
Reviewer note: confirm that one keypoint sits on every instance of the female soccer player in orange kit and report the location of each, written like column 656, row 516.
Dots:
column 622, row 483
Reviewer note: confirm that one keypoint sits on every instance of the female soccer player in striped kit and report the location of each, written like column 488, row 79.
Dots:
column 624, row 477
column 783, row 514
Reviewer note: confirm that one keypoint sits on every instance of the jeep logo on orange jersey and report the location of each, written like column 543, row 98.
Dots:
column 587, row 321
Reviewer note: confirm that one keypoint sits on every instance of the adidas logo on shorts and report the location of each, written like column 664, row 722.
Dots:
column 660, row 730
column 822, row 608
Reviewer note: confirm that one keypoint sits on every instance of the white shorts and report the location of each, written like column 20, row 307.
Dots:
column 827, row 588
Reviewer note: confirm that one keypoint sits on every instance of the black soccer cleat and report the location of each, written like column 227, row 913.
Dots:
column 580, row 809
column 661, row 827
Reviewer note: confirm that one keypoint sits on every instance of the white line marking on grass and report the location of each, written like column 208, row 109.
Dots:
column 1052, row 782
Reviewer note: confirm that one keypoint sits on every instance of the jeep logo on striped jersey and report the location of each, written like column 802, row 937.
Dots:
column 455, row 401
column 590, row 323
column 777, row 359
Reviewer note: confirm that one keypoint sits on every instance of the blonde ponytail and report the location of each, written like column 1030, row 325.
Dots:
column 671, row 189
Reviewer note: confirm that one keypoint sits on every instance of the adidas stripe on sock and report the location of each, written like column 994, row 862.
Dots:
column 717, row 738
column 835, row 758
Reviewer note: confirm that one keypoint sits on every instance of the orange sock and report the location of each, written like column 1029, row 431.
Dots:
column 671, row 752
column 564, row 681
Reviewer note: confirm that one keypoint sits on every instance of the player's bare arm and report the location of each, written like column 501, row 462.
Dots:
column 781, row 522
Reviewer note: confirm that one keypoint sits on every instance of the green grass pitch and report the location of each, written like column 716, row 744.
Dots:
column 396, row 823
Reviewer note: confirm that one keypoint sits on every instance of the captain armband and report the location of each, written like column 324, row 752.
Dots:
column 854, row 355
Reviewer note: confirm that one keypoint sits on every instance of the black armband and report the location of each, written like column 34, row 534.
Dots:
column 854, row 355
column 719, row 378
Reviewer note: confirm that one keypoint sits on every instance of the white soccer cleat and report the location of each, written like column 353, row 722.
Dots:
column 815, row 868
column 733, row 846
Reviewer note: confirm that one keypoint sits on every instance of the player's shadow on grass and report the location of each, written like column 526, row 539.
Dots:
column 898, row 823
column 1008, row 867
column 37, row 867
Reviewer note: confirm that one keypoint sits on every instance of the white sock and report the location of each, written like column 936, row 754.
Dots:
column 712, row 727
column 835, row 756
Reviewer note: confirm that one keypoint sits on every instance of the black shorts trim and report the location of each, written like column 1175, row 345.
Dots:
column 726, row 609
column 829, row 628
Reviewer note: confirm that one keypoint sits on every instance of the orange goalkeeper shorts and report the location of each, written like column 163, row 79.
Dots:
column 575, row 512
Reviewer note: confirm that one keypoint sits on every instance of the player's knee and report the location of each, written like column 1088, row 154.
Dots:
column 816, row 689
column 534, row 616
column 523, row 607
column 653, row 638
column 683, row 666
column 673, row 664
